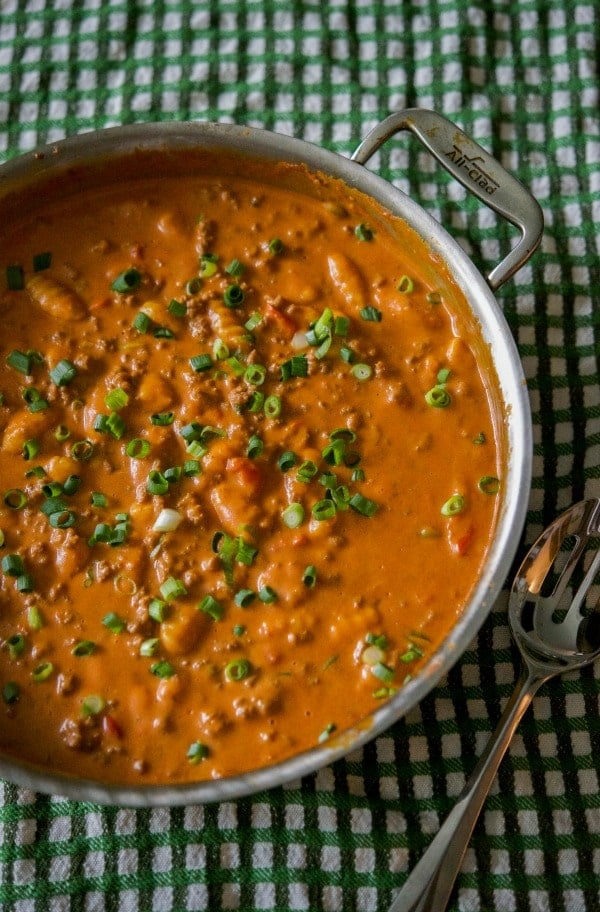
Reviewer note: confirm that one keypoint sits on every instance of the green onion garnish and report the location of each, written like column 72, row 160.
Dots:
column 309, row 577
column 361, row 371
column 255, row 374
column 137, row 448
column 142, row 322
column 63, row 372
column 162, row 669
column 297, row 366
column 201, row 363
column 272, row 406
column 489, row 484
column 157, row 483
column 363, row 505
column 293, row 515
column 363, row 232
column 84, row 648
column 15, row 279
column 15, row 499
column 267, row 595
column 275, row 246
column 11, row 692
column 244, row 597
column 209, row 605
column 197, row 751
column 324, row 509
column 177, row 308
column 287, row 461
column 235, row 269
column 92, row 705
column 30, row 449
column 255, row 447
column 371, row 314
column 162, row 419
column 42, row 672
column 172, row 588
column 405, row 285
column 233, row 296
column 238, row 669
column 16, row 645
column 114, row 623
column 438, row 397
column 116, row 399
column 453, row 505
column 20, row 361
column 127, row 281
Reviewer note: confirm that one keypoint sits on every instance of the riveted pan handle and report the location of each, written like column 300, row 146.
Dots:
column 476, row 170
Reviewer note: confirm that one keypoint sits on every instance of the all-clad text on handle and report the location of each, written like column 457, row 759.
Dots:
column 476, row 170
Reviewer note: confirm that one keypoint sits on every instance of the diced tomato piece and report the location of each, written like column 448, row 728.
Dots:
column 285, row 322
column 246, row 471
column 111, row 727
column 462, row 543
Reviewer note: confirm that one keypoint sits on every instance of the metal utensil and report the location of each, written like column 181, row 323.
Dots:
column 554, row 616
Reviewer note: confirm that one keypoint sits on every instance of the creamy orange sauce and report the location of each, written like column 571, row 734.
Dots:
column 247, row 625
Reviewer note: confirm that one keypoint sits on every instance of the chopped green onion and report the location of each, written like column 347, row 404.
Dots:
column 220, row 350
column 209, row 605
column 333, row 453
column 238, row 669
column 293, row 515
column 116, row 399
column 346, row 354
column 157, row 483
column 255, row 447
column 235, row 269
column 162, row 419
column 327, row 732
column 433, row 297
column 11, row 692
column 272, row 406
column 253, row 321
column 239, row 630
column 256, row 402
column 296, row 366
column 191, row 467
column 405, row 285
column 20, row 361
column 246, row 553
column 267, row 595
column 137, row 448
column 15, row 498
column 363, row 232
column 324, row 509
column 126, row 281
column 479, row 440
column 438, row 397
column 363, row 505
column 84, row 648
column 149, row 647
column 489, row 484
column 35, row 618
column 35, row 472
column 15, row 279
column 201, row 363
column 115, row 425
column 233, row 296
column 453, row 505
column 142, row 322
column 30, row 449
column 158, row 610
column 72, row 484
column 114, row 623
column 275, row 246
column 244, row 597
column 162, row 669
column 172, row 588
column 82, row 450
column 63, row 372
column 42, row 261
column 383, row 672
column 16, row 645
column 92, row 705
column 309, row 577
column 62, row 519
column 62, row 433
column 25, row 583
column 98, row 500
column 307, row 471
column 197, row 751
column 287, row 461
column 177, row 308
column 208, row 265
column 255, row 374
column 361, row 371
column 371, row 314
column 42, row 672
column 341, row 326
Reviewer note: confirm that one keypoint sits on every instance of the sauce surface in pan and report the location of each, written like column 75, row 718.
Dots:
column 249, row 472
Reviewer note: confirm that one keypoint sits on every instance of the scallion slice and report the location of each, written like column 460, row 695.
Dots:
column 209, row 605
column 126, row 281
column 63, row 372
column 137, row 448
column 172, row 588
column 238, row 669
column 293, row 515
column 453, row 505
column 233, row 296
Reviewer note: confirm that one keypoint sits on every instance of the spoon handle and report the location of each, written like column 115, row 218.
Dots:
column 430, row 883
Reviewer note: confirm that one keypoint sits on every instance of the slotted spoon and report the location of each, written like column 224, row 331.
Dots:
column 556, row 627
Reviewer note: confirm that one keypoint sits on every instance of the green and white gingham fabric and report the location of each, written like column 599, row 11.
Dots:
column 520, row 76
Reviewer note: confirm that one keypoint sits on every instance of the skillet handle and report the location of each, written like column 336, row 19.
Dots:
column 476, row 170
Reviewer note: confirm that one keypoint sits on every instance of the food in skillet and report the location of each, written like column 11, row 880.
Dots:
column 249, row 469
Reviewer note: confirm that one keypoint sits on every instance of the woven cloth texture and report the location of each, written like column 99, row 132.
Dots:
column 522, row 78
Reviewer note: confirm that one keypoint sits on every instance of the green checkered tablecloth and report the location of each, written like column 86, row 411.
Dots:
column 522, row 78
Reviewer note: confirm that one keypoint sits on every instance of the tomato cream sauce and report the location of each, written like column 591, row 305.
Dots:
column 250, row 468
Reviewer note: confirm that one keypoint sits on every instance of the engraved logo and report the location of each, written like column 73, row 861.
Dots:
column 474, row 170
